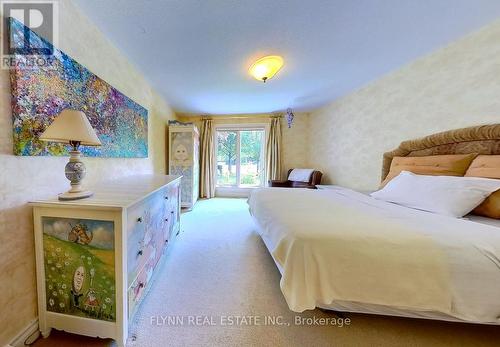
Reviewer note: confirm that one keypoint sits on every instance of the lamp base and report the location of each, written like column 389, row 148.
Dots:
column 75, row 172
column 75, row 196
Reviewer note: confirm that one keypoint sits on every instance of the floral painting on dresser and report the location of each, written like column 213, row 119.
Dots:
column 39, row 93
column 79, row 261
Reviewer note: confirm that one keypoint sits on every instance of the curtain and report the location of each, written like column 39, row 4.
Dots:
column 273, row 150
column 207, row 160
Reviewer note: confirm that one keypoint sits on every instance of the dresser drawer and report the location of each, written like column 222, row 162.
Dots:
column 147, row 233
column 137, row 250
column 171, row 213
column 137, row 290
column 137, row 259
column 173, row 209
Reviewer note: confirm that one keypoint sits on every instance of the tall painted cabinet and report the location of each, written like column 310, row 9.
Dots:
column 96, row 257
column 184, row 159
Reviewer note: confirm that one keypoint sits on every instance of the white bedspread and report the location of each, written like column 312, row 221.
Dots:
column 341, row 245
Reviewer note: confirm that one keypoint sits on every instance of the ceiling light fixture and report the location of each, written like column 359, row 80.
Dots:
column 266, row 67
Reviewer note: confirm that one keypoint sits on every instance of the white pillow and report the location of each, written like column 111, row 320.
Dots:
column 300, row 175
column 446, row 195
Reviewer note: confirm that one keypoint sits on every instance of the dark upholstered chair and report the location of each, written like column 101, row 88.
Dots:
column 315, row 179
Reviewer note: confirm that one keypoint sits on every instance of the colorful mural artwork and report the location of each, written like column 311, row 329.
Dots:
column 79, row 260
column 39, row 93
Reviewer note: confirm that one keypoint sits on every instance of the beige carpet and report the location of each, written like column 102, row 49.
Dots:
column 219, row 267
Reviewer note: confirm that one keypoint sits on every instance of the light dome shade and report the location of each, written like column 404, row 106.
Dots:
column 71, row 125
column 266, row 67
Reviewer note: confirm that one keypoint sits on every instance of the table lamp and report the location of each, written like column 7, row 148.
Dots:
column 72, row 127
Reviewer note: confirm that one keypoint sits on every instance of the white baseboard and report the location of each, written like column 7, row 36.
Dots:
column 29, row 332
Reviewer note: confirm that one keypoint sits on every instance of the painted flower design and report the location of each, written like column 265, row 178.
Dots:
column 51, row 302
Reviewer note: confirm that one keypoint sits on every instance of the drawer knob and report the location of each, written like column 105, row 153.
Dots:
column 177, row 233
column 166, row 241
column 172, row 212
column 140, row 252
column 141, row 284
column 166, row 198
column 139, row 220
column 166, row 219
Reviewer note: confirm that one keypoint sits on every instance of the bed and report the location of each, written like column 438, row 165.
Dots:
column 343, row 250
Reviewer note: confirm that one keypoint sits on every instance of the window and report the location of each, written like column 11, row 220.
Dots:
column 240, row 157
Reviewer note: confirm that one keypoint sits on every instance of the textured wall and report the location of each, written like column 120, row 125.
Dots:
column 295, row 139
column 26, row 178
column 295, row 143
column 453, row 87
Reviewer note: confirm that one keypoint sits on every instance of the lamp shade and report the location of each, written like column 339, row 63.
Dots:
column 71, row 125
column 266, row 67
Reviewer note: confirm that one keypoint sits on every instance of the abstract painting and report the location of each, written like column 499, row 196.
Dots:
column 79, row 262
column 40, row 92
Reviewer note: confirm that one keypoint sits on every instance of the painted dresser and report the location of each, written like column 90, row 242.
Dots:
column 95, row 257
column 184, row 158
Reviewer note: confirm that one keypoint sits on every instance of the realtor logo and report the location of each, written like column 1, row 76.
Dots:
column 39, row 18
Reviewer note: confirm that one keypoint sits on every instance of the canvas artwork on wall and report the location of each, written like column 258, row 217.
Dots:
column 79, row 261
column 39, row 93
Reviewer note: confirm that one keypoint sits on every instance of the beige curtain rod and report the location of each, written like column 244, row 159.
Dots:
column 237, row 117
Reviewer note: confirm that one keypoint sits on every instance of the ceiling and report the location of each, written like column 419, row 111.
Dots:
column 196, row 53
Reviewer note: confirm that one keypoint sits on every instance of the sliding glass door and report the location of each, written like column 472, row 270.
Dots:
column 227, row 157
column 240, row 157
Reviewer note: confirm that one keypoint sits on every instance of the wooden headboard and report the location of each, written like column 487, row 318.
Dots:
column 483, row 139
